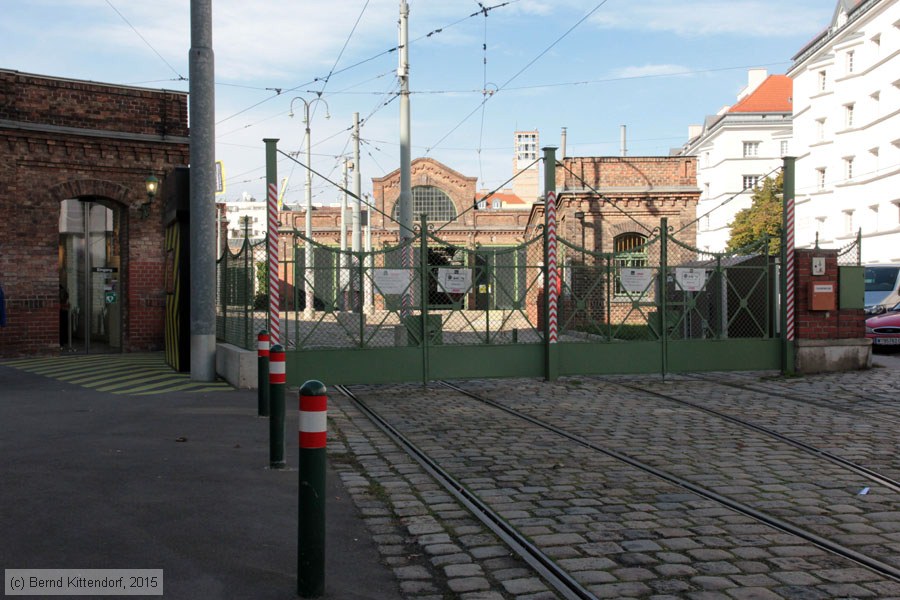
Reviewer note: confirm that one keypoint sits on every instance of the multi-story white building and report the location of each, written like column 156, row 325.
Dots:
column 847, row 131
column 255, row 226
column 735, row 149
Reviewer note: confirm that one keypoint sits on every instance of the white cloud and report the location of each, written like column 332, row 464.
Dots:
column 635, row 71
column 760, row 18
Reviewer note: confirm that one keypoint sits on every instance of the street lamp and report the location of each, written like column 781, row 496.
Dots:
column 309, row 275
column 152, row 186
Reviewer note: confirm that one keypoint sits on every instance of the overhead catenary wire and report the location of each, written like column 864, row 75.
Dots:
column 518, row 73
column 149, row 45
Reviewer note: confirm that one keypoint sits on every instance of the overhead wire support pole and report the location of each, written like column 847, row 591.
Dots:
column 356, row 289
column 405, row 201
column 203, row 193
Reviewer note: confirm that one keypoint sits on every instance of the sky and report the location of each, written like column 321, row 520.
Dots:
column 476, row 77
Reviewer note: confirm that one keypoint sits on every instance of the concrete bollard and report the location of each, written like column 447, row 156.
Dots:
column 276, row 406
column 311, row 500
column 262, row 373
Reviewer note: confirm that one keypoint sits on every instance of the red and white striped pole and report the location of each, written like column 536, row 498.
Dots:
column 789, row 267
column 553, row 280
column 312, row 435
column 277, row 381
column 274, row 275
column 262, row 372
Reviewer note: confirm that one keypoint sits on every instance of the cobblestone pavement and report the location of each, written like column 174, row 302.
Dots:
column 620, row 531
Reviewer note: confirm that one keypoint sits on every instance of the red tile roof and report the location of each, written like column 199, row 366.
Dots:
column 505, row 197
column 773, row 95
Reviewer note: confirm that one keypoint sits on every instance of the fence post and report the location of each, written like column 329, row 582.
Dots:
column 787, row 268
column 276, row 402
column 312, row 435
column 551, row 271
column 262, row 373
column 424, row 275
column 664, row 288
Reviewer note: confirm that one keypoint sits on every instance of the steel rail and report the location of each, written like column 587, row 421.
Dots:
column 794, row 397
column 772, row 521
column 553, row 574
column 874, row 476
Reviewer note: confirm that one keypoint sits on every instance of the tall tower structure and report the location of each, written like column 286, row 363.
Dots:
column 527, row 184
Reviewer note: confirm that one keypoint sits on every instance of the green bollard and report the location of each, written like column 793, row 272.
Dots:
column 276, row 405
column 262, row 373
column 311, row 500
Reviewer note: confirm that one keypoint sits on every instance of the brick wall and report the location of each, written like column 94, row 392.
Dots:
column 52, row 149
column 816, row 324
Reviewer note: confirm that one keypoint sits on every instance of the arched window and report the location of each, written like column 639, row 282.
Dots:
column 432, row 201
column 630, row 252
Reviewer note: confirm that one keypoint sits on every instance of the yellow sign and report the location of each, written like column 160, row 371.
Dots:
column 220, row 177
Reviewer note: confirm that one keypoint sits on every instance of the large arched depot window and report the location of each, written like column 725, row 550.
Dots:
column 432, row 201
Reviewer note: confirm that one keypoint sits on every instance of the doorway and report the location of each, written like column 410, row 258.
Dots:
column 90, row 290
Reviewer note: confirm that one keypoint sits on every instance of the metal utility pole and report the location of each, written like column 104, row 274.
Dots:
column 309, row 273
column 344, row 278
column 357, row 240
column 406, row 209
column 203, row 193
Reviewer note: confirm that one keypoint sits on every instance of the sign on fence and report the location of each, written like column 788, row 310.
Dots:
column 392, row 281
column 690, row 280
column 455, row 281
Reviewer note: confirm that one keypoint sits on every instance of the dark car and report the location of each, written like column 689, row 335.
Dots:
column 884, row 330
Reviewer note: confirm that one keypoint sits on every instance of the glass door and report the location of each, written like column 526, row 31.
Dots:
column 90, row 290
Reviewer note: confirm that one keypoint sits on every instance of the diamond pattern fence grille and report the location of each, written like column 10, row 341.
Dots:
column 494, row 295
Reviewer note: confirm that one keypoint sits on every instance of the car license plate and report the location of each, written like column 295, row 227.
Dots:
column 888, row 341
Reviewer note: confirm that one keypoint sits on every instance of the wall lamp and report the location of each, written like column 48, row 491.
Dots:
column 152, row 185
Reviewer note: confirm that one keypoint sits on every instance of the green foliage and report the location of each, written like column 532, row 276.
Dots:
column 762, row 218
column 261, row 300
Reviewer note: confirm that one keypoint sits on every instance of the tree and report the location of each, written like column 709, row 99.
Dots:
column 762, row 218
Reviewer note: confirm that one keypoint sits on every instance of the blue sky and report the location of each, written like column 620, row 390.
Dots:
column 655, row 66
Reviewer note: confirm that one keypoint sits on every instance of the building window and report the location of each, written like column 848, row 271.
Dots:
column 823, row 81
column 848, row 115
column 820, row 129
column 849, row 61
column 876, row 42
column 751, row 149
column 784, row 147
column 630, row 252
column 848, row 167
column 750, row 181
column 873, row 215
column 431, row 201
column 848, row 221
column 526, row 146
column 706, row 190
column 495, row 203
column 820, row 178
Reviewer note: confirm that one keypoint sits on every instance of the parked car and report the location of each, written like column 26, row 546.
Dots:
column 884, row 329
column 882, row 288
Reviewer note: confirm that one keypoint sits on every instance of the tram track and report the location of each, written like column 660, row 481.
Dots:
column 797, row 397
column 872, row 475
column 559, row 579
column 556, row 577
column 770, row 520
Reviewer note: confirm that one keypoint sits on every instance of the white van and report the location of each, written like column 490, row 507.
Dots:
column 882, row 288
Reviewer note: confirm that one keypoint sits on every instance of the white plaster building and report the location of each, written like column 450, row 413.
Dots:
column 847, row 131
column 735, row 149
column 257, row 220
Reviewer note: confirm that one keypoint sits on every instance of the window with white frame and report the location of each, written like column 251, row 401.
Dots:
column 876, row 42
column 751, row 149
column 784, row 147
column 820, row 226
column 820, row 129
column 873, row 216
column 750, row 181
column 848, row 221
column 848, row 167
column 820, row 178
column 848, row 114
column 823, row 80
column 873, row 153
column 849, row 61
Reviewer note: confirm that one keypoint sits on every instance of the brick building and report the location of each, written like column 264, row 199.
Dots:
column 82, row 256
